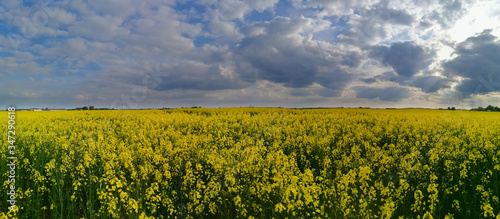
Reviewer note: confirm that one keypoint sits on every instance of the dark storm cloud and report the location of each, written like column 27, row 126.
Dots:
column 478, row 61
column 278, row 53
column 280, row 61
column 393, row 94
column 198, row 76
column 429, row 84
column 406, row 58
column 335, row 79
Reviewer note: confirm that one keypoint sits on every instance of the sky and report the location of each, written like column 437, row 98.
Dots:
column 231, row 53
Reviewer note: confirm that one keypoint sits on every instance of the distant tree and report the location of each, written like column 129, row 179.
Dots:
column 91, row 108
column 452, row 108
column 449, row 108
column 85, row 108
column 488, row 108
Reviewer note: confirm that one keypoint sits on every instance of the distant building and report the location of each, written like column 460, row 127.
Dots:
column 36, row 109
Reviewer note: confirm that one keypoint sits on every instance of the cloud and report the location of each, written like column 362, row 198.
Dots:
column 392, row 94
column 160, row 32
column 315, row 89
column 222, row 19
column 448, row 12
column 280, row 54
column 235, row 9
column 386, row 76
column 11, row 4
column 59, row 17
column 389, row 16
column 41, row 19
column 352, row 59
column 223, row 51
column 17, row 66
column 230, row 10
column 406, row 58
column 117, row 8
column 226, row 29
column 370, row 23
column 101, row 28
column 477, row 63
column 429, row 84
column 333, row 7
column 198, row 76
column 72, row 52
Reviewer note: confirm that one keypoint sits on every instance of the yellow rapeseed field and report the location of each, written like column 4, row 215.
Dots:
column 255, row 163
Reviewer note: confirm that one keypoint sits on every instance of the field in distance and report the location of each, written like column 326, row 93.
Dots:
column 254, row 163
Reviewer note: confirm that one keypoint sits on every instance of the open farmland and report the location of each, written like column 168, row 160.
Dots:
column 255, row 163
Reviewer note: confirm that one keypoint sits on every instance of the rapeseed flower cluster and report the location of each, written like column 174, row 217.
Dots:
column 255, row 163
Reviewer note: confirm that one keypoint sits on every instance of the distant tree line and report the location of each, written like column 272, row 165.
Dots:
column 90, row 108
column 488, row 108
